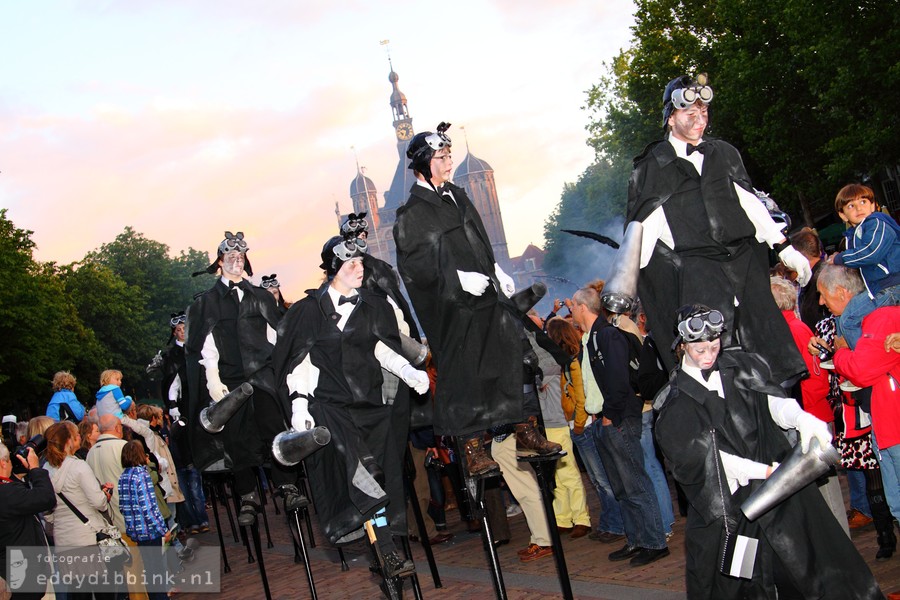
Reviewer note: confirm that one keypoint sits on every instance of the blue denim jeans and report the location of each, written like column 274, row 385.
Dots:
column 856, row 484
column 193, row 510
column 610, row 513
column 889, row 461
column 656, row 473
column 849, row 324
column 622, row 456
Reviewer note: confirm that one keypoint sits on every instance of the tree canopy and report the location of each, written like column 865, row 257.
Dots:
column 806, row 91
column 109, row 310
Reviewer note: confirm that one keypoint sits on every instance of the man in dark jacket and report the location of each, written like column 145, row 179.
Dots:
column 20, row 503
column 619, row 438
column 703, row 234
column 461, row 297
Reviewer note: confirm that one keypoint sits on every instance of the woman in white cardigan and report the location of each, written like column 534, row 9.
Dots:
column 74, row 479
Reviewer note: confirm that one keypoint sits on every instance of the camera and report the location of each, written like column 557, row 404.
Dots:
column 824, row 353
column 37, row 443
column 432, row 462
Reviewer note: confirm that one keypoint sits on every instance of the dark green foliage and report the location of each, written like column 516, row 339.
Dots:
column 806, row 90
column 110, row 310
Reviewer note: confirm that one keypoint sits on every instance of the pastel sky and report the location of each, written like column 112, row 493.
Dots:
column 186, row 118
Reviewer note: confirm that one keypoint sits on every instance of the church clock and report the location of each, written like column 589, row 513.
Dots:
column 404, row 131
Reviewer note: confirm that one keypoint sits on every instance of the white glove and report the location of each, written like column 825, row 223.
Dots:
column 217, row 389
column 174, row 413
column 507, row 285
column 414, row 378
column 474, row 283
column 792, row 259
column 810, row 427
column 301, row 420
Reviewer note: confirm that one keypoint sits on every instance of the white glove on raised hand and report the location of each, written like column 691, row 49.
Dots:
column 809, row 427
column 792, row 259
column 301, row 420
column 473, row 283
column 217, row 389
column 507, row 285
column 414, row 378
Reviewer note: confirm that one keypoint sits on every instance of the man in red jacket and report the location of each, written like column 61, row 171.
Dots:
column 869, row 365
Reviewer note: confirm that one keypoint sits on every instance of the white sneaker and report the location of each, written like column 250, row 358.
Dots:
column 513, row 509
column 827, row 364
column 847, row 386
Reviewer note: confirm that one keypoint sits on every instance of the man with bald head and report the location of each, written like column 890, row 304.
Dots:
column 105, row 460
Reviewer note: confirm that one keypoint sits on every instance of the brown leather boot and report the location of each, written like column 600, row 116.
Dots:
column 530, row 439
column 477, row 459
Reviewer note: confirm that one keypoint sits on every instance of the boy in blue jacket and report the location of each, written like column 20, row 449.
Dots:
column 873, row 247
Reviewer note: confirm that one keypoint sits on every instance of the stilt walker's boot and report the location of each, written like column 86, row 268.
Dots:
column 293, row 499
column 530, row 439
column 477, row 459
column 884, row 526
column 249, row 508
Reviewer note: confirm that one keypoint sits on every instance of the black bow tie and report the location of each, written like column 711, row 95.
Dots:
column 701, row 148
column 232, row 285
column 708, row 372
column 351, row 299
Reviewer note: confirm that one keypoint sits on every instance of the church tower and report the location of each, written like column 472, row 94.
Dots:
column 403, row 179
column 477, row 178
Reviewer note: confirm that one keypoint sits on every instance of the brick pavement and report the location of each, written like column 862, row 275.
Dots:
column 462, row 566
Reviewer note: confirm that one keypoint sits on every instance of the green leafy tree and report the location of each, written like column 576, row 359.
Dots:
column 39, row 326
column 149, row 285
column 805, row 90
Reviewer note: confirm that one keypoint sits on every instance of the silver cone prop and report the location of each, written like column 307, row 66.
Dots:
column 214, row 416
column 291, row 446
column 796, row 472
column 526, row 298
column 413, row 351
column 620, row 290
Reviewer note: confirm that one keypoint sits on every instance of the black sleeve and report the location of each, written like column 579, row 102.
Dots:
column 614, row 376
column 40, row 497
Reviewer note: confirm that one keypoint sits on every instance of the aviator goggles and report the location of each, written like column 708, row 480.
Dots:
column 704, row 326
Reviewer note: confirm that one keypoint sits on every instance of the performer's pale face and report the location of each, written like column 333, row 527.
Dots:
column 441, row 167
column 688, row 124
column 232, row 264
column 702, row 354
column 349, row 276
column 179, row 332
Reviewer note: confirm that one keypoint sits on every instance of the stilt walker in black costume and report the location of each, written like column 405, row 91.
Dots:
column 230, row 338
column 331, row 347
column 170, row 366
column 720, row 427
column 461, row 297
column 706, row 235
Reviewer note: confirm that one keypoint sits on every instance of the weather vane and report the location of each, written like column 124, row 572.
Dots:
column 387, row 48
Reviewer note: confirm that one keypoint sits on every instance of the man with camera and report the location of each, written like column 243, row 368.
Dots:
column 20, row 503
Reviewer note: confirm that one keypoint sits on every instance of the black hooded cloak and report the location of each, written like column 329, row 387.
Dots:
column 475, row 340
column 800, row 538
column 716, row 256
column 348, row 401
column 239, row 444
